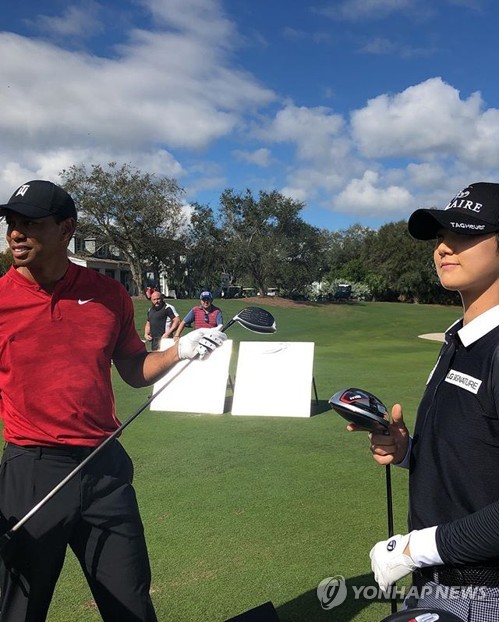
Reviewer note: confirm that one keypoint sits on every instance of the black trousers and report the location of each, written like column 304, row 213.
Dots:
column 95, row 513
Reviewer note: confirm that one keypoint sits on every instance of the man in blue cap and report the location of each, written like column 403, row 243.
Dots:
column 206, row 315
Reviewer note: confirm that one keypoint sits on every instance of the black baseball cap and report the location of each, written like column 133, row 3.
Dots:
column 38, row 198
column 474, row 211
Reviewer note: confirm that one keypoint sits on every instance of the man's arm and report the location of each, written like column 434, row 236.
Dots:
column 188, row 319
column 147, row 331
column 145, row 368
column 173, row 327
column 180, row 328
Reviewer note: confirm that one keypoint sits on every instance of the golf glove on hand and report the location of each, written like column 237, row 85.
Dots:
column 199, row 343
column 388, row 561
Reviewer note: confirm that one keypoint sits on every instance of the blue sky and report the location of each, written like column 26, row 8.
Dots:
column 364, row 110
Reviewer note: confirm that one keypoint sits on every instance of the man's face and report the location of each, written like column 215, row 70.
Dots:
column 156, row 300
column 206, row 303
column 35, row 242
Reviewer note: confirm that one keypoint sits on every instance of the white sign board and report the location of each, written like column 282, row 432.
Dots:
column 195, row 386
column 274, row 379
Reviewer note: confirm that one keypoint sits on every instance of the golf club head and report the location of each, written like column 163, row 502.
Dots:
column 361, row 408
column 257, row 320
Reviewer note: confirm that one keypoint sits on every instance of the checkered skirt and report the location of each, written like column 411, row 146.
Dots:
column 478, row 605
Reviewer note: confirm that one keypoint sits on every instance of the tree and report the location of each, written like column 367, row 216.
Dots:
column 402, row 268
column 206, row 256
column 138, row 213
column 267, row 240
column 5, row 261
column 344, row 250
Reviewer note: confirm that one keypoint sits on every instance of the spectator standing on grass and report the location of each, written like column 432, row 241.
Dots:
column 452, row 546
column 162, row 320
column 57, row 406
column 206, row 314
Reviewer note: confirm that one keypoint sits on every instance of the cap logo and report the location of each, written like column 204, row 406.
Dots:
column 22, row 190
column 464, row 225
column 460, row 202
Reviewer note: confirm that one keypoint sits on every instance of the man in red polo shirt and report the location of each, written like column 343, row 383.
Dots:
column 61, row 325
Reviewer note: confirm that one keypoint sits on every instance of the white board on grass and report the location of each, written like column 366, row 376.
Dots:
column 196, row 386
column 274, row 379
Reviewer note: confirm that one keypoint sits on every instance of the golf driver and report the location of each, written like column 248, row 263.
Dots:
column 366, row 411
column 255, row 319
column 361, row 408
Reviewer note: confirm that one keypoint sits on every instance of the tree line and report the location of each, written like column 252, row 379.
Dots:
column 258, row 242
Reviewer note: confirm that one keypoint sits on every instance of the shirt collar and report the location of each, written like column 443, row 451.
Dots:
column 479, row 327
column 66, row 280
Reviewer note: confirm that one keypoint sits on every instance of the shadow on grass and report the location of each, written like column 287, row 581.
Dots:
column 307, row 606
column 319, row 407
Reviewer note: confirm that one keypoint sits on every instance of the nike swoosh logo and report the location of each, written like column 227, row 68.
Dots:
column 84, row 302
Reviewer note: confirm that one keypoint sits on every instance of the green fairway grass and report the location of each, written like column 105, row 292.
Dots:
column 242, row 510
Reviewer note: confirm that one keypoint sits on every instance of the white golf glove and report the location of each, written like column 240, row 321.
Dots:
column 388, row 561
column 199, row 343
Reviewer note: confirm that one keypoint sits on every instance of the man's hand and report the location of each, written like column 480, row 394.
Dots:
column 391, row 560
column 200, row 343
column 388, row 448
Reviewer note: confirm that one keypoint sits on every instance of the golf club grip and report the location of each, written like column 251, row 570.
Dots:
column 228, row 325
column 389, row 503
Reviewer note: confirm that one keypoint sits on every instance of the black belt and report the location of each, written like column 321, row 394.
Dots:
column 77, row 452
column 483, row 576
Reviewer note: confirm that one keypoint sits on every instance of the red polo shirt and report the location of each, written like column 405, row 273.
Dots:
column 55, row 357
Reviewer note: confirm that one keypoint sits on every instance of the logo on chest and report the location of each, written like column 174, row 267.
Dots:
column 466, row 382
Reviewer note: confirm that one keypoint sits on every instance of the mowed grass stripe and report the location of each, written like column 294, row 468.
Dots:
column 241, row 510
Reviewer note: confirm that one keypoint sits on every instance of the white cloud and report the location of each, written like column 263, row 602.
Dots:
column 260, row 157
column 381, row 46
column 48, row 164
column 76, row 21
column 171, row 88
column 427, row 120
column 167, row 97
column 312, row 130
column 353, row 10
column 401, row 151
column 361, row 195
column 202, row 19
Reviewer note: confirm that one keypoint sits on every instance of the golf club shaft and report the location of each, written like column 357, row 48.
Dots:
column 92, row 455
column 389, row 504
column 7, row 535
column 389, row 508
